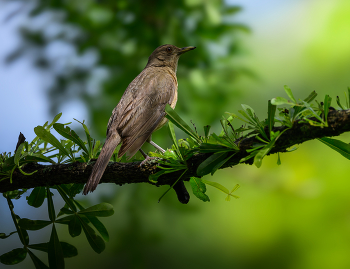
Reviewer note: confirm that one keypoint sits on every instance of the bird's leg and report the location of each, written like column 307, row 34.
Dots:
column 147, row 158
column 149, row 140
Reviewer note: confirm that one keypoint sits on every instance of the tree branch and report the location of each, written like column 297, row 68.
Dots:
column 123, row 173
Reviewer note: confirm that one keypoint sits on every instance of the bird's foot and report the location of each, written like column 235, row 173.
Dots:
column 147, row 158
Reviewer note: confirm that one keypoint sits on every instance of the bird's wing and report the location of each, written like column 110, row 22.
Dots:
column 145, row 109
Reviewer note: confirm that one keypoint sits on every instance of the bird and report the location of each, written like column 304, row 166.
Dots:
column 141, row 109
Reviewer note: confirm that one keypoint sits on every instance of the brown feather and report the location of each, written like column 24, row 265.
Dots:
column 101, row 163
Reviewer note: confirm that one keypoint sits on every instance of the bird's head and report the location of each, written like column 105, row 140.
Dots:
column 167, row 55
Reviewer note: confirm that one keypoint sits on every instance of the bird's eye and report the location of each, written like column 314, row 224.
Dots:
column 169, row 49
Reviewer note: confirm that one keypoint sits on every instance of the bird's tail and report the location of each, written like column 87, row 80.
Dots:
column 101, row 163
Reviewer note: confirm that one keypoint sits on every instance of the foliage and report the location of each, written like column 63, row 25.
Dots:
column 105, row 44
column 77, row 217
column 220, row 148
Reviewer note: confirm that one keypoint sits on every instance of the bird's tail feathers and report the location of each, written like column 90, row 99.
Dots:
column 101, row 163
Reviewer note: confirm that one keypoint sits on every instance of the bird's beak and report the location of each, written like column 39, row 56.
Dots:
column 185, row 49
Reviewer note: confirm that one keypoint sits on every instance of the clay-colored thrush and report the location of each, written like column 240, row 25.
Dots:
column 140, row 111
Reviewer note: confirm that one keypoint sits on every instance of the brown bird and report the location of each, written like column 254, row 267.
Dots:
column 140, row 111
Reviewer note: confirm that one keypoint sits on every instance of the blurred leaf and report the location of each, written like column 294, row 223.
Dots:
column 281, row 101
column 36, row 157
column 99, row 210
column 22, row 233
column 33, row 225
column 173, row 137
column 14, row 256
column 311, row 97
column 74, row 227
column 289, row 93
column 37, row 197
column 99, row 227
column 37, row 262
column 65, row 220
column 228, row 198
column 50, row 206
column 55, row 119
column 262, row 153
column 67, row 249
column 18, row 153
column 337, row 145
column 278, row 159
column 69, row 202
column 95, row 241
column 207, row 148
column 212, row 163
column 55, row 252
column 271, row 116
column 199, row 189
column 216, row 185
column 327, row 104
column 175, row 118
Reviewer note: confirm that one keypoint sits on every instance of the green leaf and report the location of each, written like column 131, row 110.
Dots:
column 207, row 148
column 70, row 134
column 67, row 249
column 65, row 220
column 154, row 177
column 99, row 227
column 95, row 241
column 175, row 118
column 18, row 153
column 326, row 105
column 311, row 97
column 278, row 159
column 339, row 104
column 261, row 153
column 206, row 131
column 337, row 145
column 48, row 137
column 14, row 256
column 289, row 93
column 216, row 185
column 55, row 252
column 228, row 198
column 37, row 262
column 33, row 225
column 210, row 165
column 173, row 137
column 199, row 189
column 4, row 236
column 37, row 197
column 37, row 157
column 22, row 233
column 281, row 101
column 50, row 206
column 96, row 223
column 55, row 119
column 74, row 227
column 68, row 201
column 271, row 115
column 99, row 210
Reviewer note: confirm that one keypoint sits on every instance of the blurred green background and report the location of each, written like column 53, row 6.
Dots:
column 296, row 215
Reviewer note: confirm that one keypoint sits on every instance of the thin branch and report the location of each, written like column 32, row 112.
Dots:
column 126, row 173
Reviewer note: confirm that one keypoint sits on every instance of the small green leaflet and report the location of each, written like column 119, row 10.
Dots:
column 199, row 189
column 337, row 145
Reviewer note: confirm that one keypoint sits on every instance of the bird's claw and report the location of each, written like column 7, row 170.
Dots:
column 146, row 159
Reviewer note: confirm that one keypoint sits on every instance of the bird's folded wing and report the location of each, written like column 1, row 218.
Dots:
column 145, row 110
